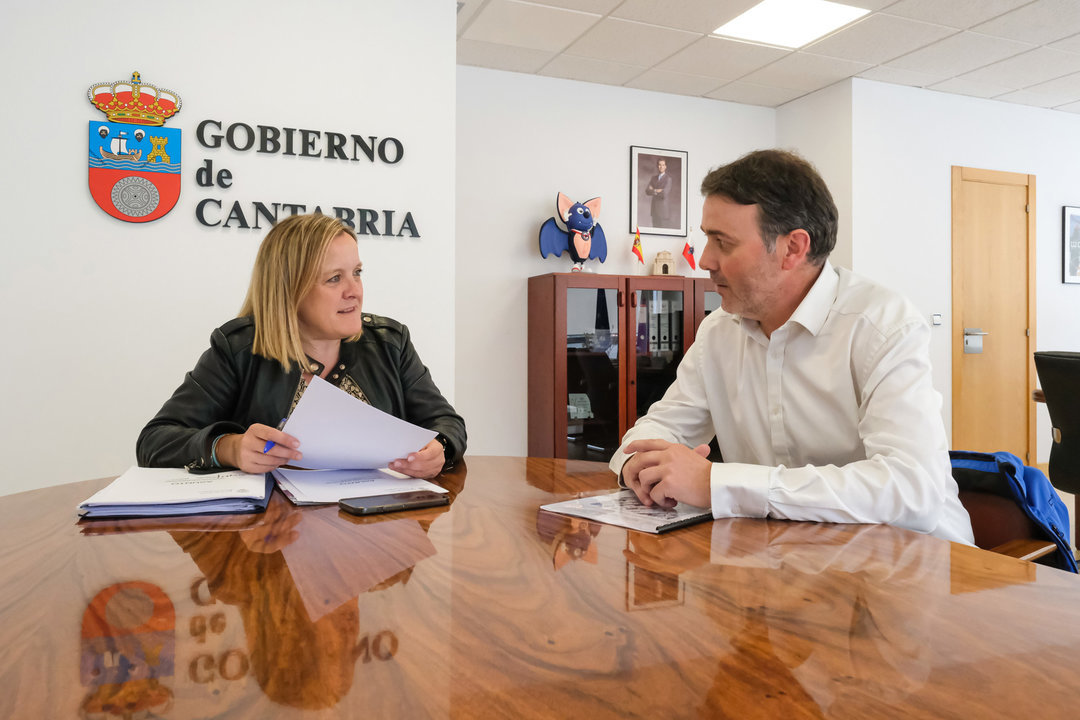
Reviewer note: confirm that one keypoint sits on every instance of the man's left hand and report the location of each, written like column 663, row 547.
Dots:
column 663, row 473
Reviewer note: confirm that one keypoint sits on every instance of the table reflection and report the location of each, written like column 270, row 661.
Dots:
column 820, row 614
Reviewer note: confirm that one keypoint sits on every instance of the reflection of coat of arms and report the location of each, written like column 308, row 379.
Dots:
column 134, row 161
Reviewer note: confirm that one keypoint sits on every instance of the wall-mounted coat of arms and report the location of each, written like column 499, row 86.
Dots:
column 134, row 160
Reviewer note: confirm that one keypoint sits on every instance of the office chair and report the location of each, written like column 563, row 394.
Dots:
column 1013, row 508
column 1002, row 527
column 1059, row 377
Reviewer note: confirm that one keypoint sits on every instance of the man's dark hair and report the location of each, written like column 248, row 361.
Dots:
column 789, row 194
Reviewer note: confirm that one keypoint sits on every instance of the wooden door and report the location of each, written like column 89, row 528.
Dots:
column 993, row 283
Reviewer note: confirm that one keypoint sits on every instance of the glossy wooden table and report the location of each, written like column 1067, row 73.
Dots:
column 491, row 608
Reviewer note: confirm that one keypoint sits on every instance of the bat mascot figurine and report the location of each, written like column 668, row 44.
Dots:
column 583, row 237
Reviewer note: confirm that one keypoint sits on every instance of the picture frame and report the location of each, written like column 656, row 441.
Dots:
column 658, row 202
column 1070, row 245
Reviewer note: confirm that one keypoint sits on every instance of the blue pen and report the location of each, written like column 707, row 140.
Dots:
column 270, row 443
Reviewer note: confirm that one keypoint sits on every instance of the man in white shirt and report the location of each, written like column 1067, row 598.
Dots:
column 815, row 382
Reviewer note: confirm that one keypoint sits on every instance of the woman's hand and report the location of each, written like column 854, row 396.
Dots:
column 425, row 463
column 246, row 451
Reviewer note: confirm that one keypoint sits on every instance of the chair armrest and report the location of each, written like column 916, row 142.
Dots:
column 1026, row 549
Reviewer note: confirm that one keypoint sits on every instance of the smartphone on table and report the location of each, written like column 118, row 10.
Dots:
column 393, row 502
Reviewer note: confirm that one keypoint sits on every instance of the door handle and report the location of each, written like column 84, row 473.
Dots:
column 973, row 341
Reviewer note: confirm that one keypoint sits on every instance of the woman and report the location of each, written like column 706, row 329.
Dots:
column 302, row 317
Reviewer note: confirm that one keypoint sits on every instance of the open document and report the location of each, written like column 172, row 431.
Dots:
column 624, row 509
column 313, row 487
column 159, row 492
column 337, row 431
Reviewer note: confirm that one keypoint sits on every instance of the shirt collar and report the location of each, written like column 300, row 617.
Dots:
column 814, row 309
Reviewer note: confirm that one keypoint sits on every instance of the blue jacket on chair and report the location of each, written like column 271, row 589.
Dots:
column 1032, row 491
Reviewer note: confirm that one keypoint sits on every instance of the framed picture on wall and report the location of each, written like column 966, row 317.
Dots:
column 1070, row 245
column 657, row 191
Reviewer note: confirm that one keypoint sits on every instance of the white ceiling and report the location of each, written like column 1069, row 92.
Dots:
column 1022, row 51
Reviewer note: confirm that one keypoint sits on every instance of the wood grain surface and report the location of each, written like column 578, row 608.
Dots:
column 491, row 608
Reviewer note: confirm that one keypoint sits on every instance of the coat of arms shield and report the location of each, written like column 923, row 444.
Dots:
column 134, row 162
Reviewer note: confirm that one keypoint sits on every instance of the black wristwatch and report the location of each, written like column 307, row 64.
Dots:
column 448, row 451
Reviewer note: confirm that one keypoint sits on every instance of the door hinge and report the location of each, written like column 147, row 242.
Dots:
column 1027, row 208
column 1027, row 332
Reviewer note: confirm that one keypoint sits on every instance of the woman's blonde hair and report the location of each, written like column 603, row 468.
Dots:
column 286, row 269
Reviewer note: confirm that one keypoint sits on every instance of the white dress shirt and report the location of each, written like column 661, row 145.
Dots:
column 833, row 418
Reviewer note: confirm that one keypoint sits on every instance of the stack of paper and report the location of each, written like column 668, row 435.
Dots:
column 312, row 487
column 159, row 492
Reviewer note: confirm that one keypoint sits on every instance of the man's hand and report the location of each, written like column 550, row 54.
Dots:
column 663, row 473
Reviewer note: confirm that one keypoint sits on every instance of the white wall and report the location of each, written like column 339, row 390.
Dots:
column 522, row 139
column 101, row 317
column 818, row 127
column 905, row 141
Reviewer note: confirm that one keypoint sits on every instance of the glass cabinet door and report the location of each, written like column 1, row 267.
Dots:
column 658, row 316
column 592, row 373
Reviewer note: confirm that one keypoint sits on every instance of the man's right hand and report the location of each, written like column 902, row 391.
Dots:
column 664, row 473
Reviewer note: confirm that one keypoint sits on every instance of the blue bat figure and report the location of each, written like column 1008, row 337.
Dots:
column 583, row 237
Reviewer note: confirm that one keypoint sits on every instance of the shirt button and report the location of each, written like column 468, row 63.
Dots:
column 314, row 367
column 367, row 318
column 340, row 367
column 334, row 376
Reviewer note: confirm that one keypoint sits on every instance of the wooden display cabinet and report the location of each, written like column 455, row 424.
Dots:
column 602, row 349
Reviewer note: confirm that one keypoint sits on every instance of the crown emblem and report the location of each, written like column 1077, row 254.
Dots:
column 134, row 102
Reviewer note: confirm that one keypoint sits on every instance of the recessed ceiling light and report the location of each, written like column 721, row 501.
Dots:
column 789, row 23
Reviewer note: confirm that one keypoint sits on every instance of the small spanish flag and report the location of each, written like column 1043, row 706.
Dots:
column 688, row 253
column 637, row 246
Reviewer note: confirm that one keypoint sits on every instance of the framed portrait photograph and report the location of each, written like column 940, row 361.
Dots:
column 1070, row 245
column 658, row 191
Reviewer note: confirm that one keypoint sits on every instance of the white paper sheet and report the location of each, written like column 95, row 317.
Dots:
column 328, row 486
column 338, row 431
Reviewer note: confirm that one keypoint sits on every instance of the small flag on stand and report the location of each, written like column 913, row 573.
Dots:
column 688, row 253
column 637, row 246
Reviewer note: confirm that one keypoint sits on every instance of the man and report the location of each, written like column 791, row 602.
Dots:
column 816, row 382
column 659, row 189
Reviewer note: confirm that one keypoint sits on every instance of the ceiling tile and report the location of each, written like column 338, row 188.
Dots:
column 970, row 87
column 1025, row 97
column 1030, row 68
column 501, row 57
column 673, row 82
column 751, row 94
column 960, row 14
column 1040, row 22
column 959, row 54
column 878, row 38
column 1070, row 107
column 899, row 76
column 721, row 58
column 701, row 16
column 509, row 22
column 801, row 71
column 465, row 12
column 600, row 7
column 631, row 43
column 1069, row 44
column 574, row 67
column 1052, row 93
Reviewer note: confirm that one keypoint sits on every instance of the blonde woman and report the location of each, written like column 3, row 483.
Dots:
column 303, row 316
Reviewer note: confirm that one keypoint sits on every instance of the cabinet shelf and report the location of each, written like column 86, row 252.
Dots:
column 607, row 345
